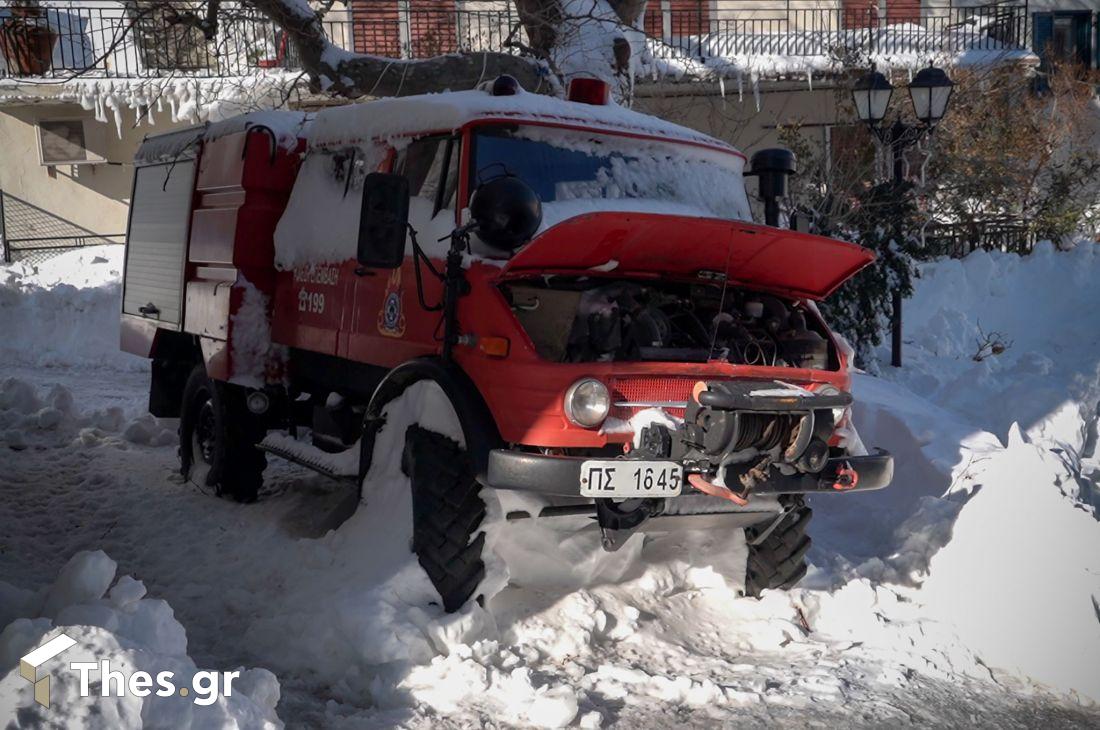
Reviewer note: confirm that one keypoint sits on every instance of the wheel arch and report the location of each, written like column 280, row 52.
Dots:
column 478, row 426
column 173, row 355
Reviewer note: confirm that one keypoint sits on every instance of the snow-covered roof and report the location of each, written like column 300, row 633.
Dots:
column 287, row 126
column 385, row 118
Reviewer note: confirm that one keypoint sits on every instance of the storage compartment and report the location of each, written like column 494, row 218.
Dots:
column 156, row 241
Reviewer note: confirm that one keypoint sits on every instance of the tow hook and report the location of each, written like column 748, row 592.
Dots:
column 846, row 478
column 714, row 490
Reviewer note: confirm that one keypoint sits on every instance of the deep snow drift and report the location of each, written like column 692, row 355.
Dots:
column 963, row 594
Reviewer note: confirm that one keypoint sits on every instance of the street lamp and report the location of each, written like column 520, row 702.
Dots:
column 930, row 92
column 871, row 94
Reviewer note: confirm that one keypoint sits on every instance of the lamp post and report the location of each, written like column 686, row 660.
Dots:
column 930, row 92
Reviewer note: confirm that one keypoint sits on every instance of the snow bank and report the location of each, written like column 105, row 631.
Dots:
column 999, row 530
column 1041, row 306
column 65, row 311
column 134, row 633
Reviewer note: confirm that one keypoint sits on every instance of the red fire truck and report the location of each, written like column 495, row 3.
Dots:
column 580, row 281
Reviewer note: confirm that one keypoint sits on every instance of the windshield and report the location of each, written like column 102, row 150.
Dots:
column 584, row 170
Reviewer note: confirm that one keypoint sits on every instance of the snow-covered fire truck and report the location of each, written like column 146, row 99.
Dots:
column 581, row 283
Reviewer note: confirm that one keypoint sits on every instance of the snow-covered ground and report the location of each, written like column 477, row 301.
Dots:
column 967, row 593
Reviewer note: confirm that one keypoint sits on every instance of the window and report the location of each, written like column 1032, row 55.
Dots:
column 423, row 163
column 1064, row 37
column 573, row 167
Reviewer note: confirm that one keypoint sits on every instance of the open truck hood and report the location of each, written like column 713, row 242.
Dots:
column 758, row 257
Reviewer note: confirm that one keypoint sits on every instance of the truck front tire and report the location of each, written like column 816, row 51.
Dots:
column 778, row 561
column 447, row 512
column 218, row 437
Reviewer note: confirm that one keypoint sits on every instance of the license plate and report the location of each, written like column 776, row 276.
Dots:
column 624, row 478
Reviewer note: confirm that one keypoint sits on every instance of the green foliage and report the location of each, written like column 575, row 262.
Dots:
column 885, row 219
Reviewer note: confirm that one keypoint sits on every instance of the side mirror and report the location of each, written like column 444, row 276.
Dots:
column 506, row 212
column 383, row 221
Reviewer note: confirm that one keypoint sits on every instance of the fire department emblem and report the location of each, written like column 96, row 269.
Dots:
column 391, row 320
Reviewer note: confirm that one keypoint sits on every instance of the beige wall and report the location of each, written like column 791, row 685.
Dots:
column 738, row 121
column 93, row 200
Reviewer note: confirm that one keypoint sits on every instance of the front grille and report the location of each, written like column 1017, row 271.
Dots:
column 650, row 390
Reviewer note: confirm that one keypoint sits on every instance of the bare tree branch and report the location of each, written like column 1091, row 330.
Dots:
column 335, row 71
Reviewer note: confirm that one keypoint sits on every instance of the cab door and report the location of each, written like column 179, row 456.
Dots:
column 388, row 324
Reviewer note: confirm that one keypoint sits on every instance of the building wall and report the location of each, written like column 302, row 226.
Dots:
column 736, row 118
column 79, row 200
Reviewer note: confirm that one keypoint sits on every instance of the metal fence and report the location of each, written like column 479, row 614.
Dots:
column 135, row 38
column 32, row 234
column 1011, row 235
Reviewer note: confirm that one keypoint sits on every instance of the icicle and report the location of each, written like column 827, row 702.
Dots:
column 740, row 87
column 756, row 91
column 722, row 87
column 810, row 78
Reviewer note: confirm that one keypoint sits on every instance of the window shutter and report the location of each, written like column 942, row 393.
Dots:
column 1042, row 28
column 1082, row 31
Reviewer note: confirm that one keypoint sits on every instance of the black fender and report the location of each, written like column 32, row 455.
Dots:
column 478, row 426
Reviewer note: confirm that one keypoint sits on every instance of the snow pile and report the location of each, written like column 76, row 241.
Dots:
column 31, row 418
column 65, row 310
column 255, row 359
column 119, row 624
column 966, row 589
column 1040, row 307
column 1020, row 571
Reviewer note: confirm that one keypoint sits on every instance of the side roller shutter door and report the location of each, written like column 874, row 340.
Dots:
column 156, row 242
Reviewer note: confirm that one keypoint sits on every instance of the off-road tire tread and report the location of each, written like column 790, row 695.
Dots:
column 238, row 470
column 779, row 562
column 447, row 512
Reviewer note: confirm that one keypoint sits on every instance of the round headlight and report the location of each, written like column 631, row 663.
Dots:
column 587, row 403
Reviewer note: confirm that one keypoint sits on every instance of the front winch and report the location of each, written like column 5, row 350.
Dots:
column 738, row 432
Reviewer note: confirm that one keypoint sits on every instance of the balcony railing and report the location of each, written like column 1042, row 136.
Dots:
column 133, row 38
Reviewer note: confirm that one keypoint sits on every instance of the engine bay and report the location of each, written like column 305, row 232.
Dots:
column 589, row 319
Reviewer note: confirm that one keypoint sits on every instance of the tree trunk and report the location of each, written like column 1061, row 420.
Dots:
column 335, row 71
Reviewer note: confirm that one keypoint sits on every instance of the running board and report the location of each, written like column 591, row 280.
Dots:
column 334, row 466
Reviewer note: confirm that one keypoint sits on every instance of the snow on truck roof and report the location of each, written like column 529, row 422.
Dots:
column 409, row 115
column 287, row 126
column 447, row 111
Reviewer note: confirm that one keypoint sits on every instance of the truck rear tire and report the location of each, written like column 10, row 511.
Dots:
column 779, row 560
column 447, row 512
column 218, row 437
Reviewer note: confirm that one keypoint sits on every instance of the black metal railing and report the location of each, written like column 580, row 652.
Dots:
column 135, row 38
column 33, row 234
column 956, row 240
column 844, row 34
